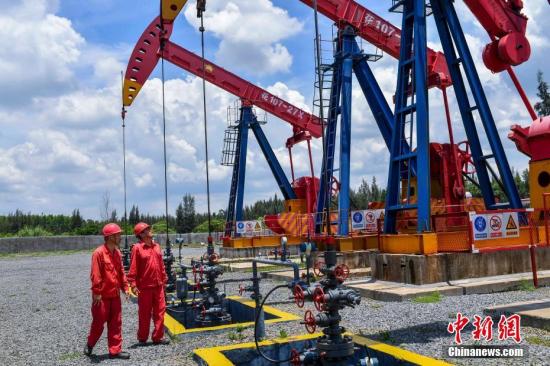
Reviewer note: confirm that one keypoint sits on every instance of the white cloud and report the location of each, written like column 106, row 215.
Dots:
column 251, row 33
column 41, row 51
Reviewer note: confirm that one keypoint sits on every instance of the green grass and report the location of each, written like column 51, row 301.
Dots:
column 69, row 356
column 42, row 254
column 283, row 334
column 539, row 341
column 429, row 298
column 233, row 336
column 526, row 285
column 386, row 337
column 173, row 338
column 240, row 328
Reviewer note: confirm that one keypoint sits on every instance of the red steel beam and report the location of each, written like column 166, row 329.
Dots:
column 380, row 33
column 147, row 53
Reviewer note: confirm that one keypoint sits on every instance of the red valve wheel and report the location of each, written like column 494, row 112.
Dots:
column 309, row 322
column 319, row 298
column 203, row 311
column 295, row 358
column 317, row 268
column 241, row 290
column 469, row 166
column 214, row 257
column 299, row 297
column 341, row 272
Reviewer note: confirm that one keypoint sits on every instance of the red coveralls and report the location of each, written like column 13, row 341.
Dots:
column 107, row 276
column 147, row 273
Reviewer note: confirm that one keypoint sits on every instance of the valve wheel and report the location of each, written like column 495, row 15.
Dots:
column 241, row 290
column 319, row 298
column 309, row 322
column 469, row 166
column 214, row 257
column 341, row 272
column 203, row 312
column 317, row 268
column 295, row 358
column 299, row 297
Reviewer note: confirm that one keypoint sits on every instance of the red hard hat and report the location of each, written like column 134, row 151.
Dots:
column 111, row 229
column 140, row 227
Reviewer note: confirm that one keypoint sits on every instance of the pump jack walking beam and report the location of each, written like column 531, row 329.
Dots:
column 148, row 52
column 154, row 44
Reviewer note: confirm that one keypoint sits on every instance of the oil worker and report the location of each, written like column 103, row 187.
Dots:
column 147, row 278
column 108, row 279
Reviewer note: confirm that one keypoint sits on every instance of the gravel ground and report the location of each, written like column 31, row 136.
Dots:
column 45, row 317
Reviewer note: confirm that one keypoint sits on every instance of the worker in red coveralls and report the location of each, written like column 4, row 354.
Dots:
column 147, row 278
column 108, row 279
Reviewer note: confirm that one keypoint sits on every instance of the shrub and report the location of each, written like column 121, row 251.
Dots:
column 33, row 231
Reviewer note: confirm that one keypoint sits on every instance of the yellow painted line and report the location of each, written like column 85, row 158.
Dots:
column 176, row 328
column 398, row 353
column 214, row 356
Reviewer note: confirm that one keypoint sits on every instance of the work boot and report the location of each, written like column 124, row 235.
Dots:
column 142, row 343
column 88, row 350
column 121, row 355
column 163, row 341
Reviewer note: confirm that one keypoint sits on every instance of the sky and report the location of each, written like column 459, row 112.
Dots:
column 60, row 100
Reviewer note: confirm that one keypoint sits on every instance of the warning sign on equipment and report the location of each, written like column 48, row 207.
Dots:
column 495, row 226
column 512, row 224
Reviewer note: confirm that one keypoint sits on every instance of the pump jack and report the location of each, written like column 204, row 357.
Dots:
column 448, row 162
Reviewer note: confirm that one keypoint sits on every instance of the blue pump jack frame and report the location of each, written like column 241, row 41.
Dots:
column 448, row 26
column 348, row 58
column 248, row 121
column 348, row 53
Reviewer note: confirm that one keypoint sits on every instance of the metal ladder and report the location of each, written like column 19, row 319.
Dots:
column 331, row 86
column 410, row 126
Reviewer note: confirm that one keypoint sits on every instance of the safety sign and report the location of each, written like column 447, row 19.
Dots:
column 371, row 219
column 366, row 220
column 511, row 220
column 495, row 226
column 479, row 224
column 357, row 220
column 248, row 227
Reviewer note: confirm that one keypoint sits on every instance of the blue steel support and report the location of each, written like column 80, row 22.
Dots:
column 412, row 73
column 278, row 173
column 375, row 98
column 422, row 118
column 447, row 17
column 377, row 102
column 345, row 131
column 247, row 118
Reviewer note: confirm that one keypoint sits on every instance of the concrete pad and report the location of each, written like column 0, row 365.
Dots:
column 500, row 283
column 289, row 275
column 396, row 291
column 406, row 293
column 534, row 313
column 247, row 265
column 392, row 291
